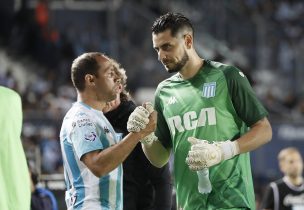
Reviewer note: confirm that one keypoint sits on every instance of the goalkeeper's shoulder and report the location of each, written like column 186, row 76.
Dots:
column 167, row 82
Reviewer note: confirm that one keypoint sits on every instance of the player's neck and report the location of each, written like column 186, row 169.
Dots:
column 91, row 101
column 297, row 180
column 192, row 67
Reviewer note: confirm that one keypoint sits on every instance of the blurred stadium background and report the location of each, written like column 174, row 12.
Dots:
column 39, row 40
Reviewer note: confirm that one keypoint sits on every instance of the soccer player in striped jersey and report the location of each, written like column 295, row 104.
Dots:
column 204, row 100
column 92, row 151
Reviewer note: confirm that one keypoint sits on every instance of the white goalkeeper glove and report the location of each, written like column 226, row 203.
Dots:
column 204, row 154
column 138, row 119
column 151, row 137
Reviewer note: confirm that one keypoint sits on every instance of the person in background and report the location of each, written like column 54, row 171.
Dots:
column 209, row 117
column 145, row 187
column 92, row 152
column 14, row 175
column 286, row 193
column 41, row 198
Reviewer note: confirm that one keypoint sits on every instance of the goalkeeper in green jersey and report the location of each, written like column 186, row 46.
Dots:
column 209, row 116
column 14, row 174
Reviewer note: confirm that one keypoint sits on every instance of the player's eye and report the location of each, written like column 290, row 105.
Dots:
column 167, row 47
column 111, row 74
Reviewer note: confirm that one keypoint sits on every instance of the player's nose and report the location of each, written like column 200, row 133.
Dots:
column 161, row 55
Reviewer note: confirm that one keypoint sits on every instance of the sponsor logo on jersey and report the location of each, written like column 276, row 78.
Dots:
column 291, row 200
column 172, row 100
column 84, row 122
column 209, row 89
column 192, row 120
column 90, row 136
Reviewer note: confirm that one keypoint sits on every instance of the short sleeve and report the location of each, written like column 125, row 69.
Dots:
column 268, row 199
column 162, row 130
column 85, row 136
column 244, row 100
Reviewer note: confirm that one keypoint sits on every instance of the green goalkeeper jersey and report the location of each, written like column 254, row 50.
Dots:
column 15, row 184
column 217, row 104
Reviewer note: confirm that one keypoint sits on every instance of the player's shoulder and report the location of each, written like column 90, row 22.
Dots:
column 78, row 111
column 230, row 72
column 216, row 64
column 277, row 183
column 168, row 82
column 225, row 68
column 9, row 94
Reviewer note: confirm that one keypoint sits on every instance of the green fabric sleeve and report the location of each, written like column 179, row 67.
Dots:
column 162, row 130
column 244, row 100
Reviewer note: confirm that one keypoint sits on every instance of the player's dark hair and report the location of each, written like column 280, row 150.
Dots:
column 174, row 21
column 82, row 65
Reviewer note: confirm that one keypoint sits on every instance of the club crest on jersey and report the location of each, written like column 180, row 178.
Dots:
column 208, row 90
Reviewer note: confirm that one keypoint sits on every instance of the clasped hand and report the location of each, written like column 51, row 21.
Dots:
column 139, row 119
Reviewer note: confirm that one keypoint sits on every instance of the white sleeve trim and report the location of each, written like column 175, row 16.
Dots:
column 275, row 195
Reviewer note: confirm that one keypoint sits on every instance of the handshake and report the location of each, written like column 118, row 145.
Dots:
column 139, row 119
column 204, row 154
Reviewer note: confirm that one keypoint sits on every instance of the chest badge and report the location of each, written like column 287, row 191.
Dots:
column 208, row 90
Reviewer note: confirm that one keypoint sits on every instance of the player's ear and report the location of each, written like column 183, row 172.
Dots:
column 89, row 79
column 188, row 40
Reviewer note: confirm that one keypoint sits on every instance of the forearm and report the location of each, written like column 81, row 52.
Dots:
column 104, row 161
column 259, row 134
column 157, row 154
column 204, row 154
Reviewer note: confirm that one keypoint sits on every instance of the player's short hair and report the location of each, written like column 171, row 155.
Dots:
column 285, row 152
column 82, row 65
column 176, row 22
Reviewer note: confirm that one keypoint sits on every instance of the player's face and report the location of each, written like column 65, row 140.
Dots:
column 171, row 50
column 106, row 83
column 292, row 165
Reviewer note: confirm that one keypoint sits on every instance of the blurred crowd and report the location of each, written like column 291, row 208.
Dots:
column 270, row 34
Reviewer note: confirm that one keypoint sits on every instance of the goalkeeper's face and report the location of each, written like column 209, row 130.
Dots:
column 171, row 50
column 292, row 165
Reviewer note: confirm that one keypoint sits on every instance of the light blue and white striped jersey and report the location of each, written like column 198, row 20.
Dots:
column 83, row 130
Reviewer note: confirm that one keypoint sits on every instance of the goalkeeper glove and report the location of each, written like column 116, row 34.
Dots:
column 204, row 154
column 151, row 137
column 138, row 119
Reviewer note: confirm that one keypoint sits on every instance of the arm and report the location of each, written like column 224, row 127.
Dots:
column 204, row 154
column 249, row 109
column 154, row 150
column 259, row 134
column 101, row 162
column 157, row 154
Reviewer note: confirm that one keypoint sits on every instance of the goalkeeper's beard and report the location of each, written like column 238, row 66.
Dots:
column 179, row 65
